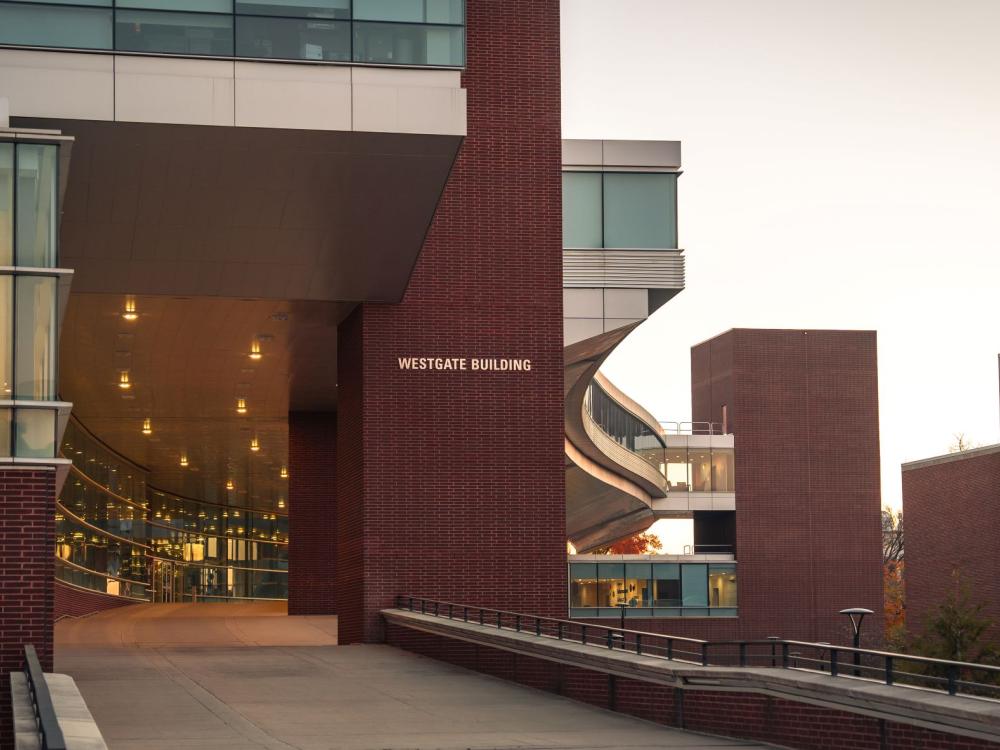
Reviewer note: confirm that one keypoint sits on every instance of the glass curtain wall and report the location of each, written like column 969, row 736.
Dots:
column 620, row 210
column 652, row 589
column 382, row 32
column 187, row 549
column 29, row 179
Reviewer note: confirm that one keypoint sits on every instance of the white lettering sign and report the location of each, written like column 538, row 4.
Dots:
column 479, row 364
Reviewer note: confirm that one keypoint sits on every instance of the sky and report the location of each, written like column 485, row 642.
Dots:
column 841, row 170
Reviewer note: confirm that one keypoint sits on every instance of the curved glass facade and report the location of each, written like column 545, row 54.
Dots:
column 423, row 33
column 115, row 531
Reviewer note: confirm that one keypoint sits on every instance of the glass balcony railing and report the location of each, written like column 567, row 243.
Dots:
column 425, row 33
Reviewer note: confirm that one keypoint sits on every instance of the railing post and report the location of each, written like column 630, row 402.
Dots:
column 423, row 606
column 437, row 609
column 481, row 616
column 465, row 614
column 833, row 662
column 411, row 603
column 784, row 656
column 449, row 611
column 559, row 630
column 583, row 634
column 499, row 621
column 538, row 626
column 670, row 649
column 638, row 644
column 611, row 642
column 888, row 670
column 952, row 679
column 743, row 654
column 517, row 623
column 704, row 654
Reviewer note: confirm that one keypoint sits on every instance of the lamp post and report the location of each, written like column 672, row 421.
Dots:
column 857, row 614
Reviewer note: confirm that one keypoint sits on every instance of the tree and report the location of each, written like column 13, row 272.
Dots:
column 962, row 443
column 957, row 628
column 894, row 606
column 640, row 544
column 892, row 536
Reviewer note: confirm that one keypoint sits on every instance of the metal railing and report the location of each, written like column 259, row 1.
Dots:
column 691, row 428
column 49, row 732
column 904, row 670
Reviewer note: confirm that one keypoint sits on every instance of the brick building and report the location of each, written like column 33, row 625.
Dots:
column 950, row 504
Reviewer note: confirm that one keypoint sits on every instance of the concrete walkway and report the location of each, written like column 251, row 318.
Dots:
column 229, row 676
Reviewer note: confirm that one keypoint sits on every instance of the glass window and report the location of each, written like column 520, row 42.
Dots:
column 666, row 584
column 640, row 210
column 198, row 6
column 6, row 337
column 677, row 470
column 409, row 44
column 409, row 11
column 581, row 200
column 295, row 8
column 35, row 337
column 722, row 470
column 694, row 585
column 292, row 38
column 87, row 28
column 36, row 433
column 722, row 585
column 5, row 425
column 610, row 584
column 637, row 589
column 583, row 584
column 177, row 33
column 701, row 469
column 37, row 183
column 6, row 205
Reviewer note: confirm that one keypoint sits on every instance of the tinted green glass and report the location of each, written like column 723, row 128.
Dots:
column 694, row 585
column 722, row 585
column 197, row 6
column 296, row 8
column 640, row 210
column 6, row 337
column 666, row 584
column 37, row 186
column 6, row 205
column 409, row 44
column 35, row 431
column 52, row 26
column 292, row 39
column 581, row 199
column 410, row 11
column 35, row 338
column 174, row 33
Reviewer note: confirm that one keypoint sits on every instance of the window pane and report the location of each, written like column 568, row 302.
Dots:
column 406, row 44
column 35, row 338
column 88, row 28
column 36, row 433
column 5, row 424
column 666, row 584
column 198, row 6
column 694, row 585
column 296, row 8
column 410, row 11
column 6, row 337
column 6, row 205
column 292, row 39
column 583, row 585
column 582, row 223
column 701, row 469
column 722, row 585
column 637, row 577
column 611, row 584
column 678, row 477
column 37, row 183
column 177, row 33
column 640, row 210
column 722, row 470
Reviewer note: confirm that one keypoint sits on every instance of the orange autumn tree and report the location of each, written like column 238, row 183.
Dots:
column 640, row 544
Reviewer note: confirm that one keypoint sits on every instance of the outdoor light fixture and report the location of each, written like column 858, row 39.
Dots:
column 147, row 426
column 857, row 614
column 129, row 313
column 254, row 444
column 123, row 381
column 255, row 349
column 184, row 459
column 229, row 484
column 241, row 406
column 281, row 502
column 284, row 472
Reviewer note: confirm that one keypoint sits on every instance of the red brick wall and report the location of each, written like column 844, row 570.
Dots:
column 952, row 512
column 459, row 492
column 803, row 406
column 312, row 503
column 741, row 715
column 71, row 601
column 27, row 571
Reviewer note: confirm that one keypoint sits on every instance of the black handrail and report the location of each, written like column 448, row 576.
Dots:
column 772, row 652
column 49, row 730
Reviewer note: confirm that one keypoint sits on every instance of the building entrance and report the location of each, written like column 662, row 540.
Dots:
column 167, row 582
